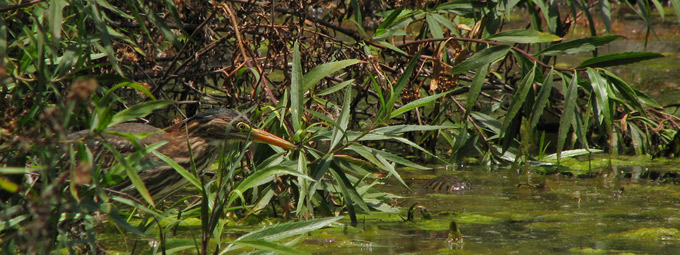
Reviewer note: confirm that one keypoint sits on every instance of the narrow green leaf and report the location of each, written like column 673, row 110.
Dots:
column 343, row 122
column 523, row 36
column 392, row 47
column 106, row 40
column 253, row 179
column 659, row 8
column 161, row 24
column 377, row 160
column 572, row 153
column 186, row 174
column 138, row 111
column 434, row 27
column 626, row 91
column 398, row 130
column 476, row 87
column 605, row 9
column 418, row 103
column 296, row 89
column 335, row 88
column 404, row 79
column 541, row 100
column 600, row 88
column 483, row 57
column 518, row 98
column 578, row 45
column 319, row 72
column 280, row 231
column 618, row 59
column 55, row 18
column 446, row 22
column 568, row 113
column 390, row 18
column 132, row 175
column 14, row 170
column 676, row 8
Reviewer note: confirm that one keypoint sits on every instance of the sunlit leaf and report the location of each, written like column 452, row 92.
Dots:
column 296, row 89
column 578, row 45
column 418, row 103
column 483, row 57
column 523, row 36
column 618, row 59
column 404, row 79
column 335, row 88
column 319, row 72
column 476, row 87
column 541, row 100
column 433, row 25
column 138, row 111
column 280, row 231
column 568, row 113
column 518, row 98
column 600, row 88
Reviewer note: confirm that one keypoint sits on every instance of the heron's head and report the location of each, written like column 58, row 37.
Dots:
column 216, row 125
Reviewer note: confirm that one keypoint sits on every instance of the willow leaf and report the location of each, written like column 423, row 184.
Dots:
column 601, row 91
column 618, row 59
column 523, row 36
column 541, row 100
column 476, row 87
column 433, row 25
column 568, row 113
column 483, row 57
column 418, row 103
column 296, row 88
column 518, row 98
column 138, row 111
column 578, row 45
column 319, row 72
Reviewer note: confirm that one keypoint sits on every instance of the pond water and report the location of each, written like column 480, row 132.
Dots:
column 618, row 210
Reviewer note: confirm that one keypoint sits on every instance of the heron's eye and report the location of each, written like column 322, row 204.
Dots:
column 242, row 127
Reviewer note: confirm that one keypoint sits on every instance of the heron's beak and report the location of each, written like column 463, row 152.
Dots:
column 261, row 136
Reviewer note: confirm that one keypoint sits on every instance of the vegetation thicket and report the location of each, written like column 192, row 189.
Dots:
column 363, row 87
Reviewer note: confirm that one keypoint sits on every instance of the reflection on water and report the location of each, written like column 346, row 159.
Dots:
column 509, row 212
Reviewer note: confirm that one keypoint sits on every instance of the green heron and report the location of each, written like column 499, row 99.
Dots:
column 205, row 133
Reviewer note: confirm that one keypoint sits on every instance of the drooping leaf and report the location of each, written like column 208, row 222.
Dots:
column 483, row 57
column 541, row 100
column 186, row 174
column 605, row 9
column 418, row 103
column 676, row 8
column 132, row 175
column 523, row 36
column 578, row 45
column 317, row 73
column 138, row 111
column 518, row 98
column 568, row 113
column 476, row 87
column 296, row 89
column 433, row 25
column 335, row 88
column 343, row 122
column 404, row 79
column 600, row 88
column 618, row 59
column 280, row 231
